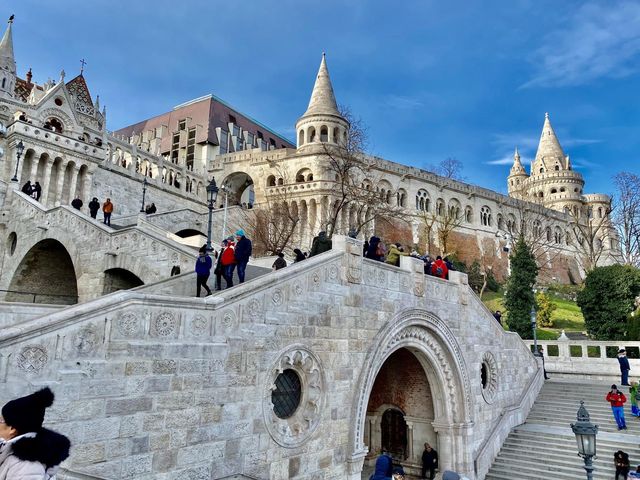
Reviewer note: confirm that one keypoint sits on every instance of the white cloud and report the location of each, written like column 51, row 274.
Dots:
column 403, row 102
column 506, row 160
column 599, row 39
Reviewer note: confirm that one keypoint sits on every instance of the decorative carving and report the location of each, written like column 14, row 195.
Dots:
column 297, row 288
column 315, row 278
column 278, row 297
column 199, row 325
column 227, row 319
column 490, row 388
column 165, row 324
column 85, row 340
column 293, row 431
column 128, row 324
column 32, row 358
column 254, row 309
column 333, row 271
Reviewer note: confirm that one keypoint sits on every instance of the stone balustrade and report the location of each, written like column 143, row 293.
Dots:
column 587, row 357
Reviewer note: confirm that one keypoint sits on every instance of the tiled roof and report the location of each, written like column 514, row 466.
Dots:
column 23, row 89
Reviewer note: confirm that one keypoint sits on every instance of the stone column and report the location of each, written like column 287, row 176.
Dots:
column 34, row 168
column 88, row 183
column 445, row 447
column 61, row 174
column 47, row 181
column 74, row 182
column 410, row 442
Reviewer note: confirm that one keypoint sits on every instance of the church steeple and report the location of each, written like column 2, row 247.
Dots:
column 322, row 122
column 550, row 153
column 7, row 61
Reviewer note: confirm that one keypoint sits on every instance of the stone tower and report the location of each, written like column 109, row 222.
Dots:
column 517, row 177
column 322, row 122
column 7, row 62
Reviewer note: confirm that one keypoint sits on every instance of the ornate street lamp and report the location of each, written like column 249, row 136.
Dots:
column 212, row 194
column 19, row 150
column 585, row 433
column 144, row 192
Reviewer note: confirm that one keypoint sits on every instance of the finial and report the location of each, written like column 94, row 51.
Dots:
column 11, row 18
column 516, row 154
column 97, row 102
column 546, row 115
column 82, row 63
column 29, row 75
column 62, row 74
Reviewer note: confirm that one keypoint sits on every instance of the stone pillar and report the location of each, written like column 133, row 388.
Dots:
column 352, row 260
column 88, row 183
column 410, row 442
column 47, row 181
column 34, row 168
column 73, row 183
column 61, row 174
column 445, row 447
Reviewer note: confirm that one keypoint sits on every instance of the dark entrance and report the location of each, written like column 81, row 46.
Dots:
column 119, row 279
column 394, row 433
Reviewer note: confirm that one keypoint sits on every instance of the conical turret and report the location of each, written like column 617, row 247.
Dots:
column 7, row 61
column 550, row 155
column 322, row 122
column 517, row 168
column 517, row 177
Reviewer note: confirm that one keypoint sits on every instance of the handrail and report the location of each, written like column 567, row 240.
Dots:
column 36, row 294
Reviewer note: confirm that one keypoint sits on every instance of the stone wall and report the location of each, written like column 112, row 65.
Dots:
column 179, row 387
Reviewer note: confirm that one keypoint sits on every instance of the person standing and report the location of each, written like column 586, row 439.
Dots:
column 203, row 270
column 633, row 397
column 242, row 253
column 541, row 354
column 617, row 401
column 621, row 462
column 30, row 451
column 280, row 261
column 299, row 255
column 429, row 462
column 498, row 316
column 76, row 203
column 37, row 190
column 94, row 206
column 27, row 189
column 219, row 270
column 624, row 367
column 320, row 244
column 228, row 260
column 107, row 210
column 439, row 268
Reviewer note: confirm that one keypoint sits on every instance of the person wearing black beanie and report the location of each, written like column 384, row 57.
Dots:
column 28, row 450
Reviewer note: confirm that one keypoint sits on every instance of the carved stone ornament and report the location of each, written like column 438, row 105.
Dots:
column 165, row 324
column 254, row 309
column 227, row 319
column 198, row 325
column 294, row 431
column 85, row 340
column 333, row 272
column 32, row 359
column 491, row 382
column 128, row 324
column 277, row 297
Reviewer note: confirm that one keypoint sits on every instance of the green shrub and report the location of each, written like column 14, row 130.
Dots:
column 607, row 300
column 519, row 296
column 633, row 327
column 475, row 277
column 545, row 310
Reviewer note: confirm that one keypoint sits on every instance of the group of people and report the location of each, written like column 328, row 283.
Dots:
column 386, row 470
column 234, row 254
column 623, row 466
column 94, row 207
column 33, row 190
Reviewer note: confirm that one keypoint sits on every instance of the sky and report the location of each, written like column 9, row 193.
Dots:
column 429, row 79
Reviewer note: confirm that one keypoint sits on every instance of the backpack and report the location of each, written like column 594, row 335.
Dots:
column 439, row 271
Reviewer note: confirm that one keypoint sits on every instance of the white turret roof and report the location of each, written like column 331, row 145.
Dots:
column 549, row 146
column 323, row 101
column 6, row 48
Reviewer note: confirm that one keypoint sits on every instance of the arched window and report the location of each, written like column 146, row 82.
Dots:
column 485, row 216
column 4, row 82
column 537, row 229
column 401, row 198
column 468, row 214
column 280, row 181
column 271, row 181
column 599, row 212
column 541, row 194
column 422, row 200
column 324, row 133
column 542, row 170
column 336, row 135
column 301, row 138
column 562, row 189
column 500, row 222
column 311, row 134
column 553, row 190
column 557, row 235
column 299, row 178
column 56, row 125
column 548, row 234
column 454, row 209
column 440, row 207
column 557, row 168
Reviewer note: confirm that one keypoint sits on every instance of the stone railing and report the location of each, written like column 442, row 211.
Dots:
column 587, row 357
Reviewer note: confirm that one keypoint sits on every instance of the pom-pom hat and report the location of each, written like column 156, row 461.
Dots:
column 26, row 414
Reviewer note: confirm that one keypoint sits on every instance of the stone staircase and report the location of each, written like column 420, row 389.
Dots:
column 544, row 447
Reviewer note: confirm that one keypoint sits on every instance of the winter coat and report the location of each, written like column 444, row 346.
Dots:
column 372, row 251
column 228, row 257
column 384, row 468
column 439, row 264
column 624, row 363
column 633, row 395
column 616, row 399
column 107, row 207
column 94, row 206
column 393, row 257
column 34, row 456
column 299, row 256
column 279, row 263
column 430, row 459
column 203, row 265
column 320, row 245
column 243, row 250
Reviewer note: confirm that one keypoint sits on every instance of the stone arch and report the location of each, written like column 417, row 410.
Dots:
column 311, row 135
column 57, row 171
column 44, row 261
column 27, row 163
column 401, row 197
column 301, row 138
column 303, row 174
column 240, row 188
column 336, row 135
column 434, row 345
column 454, row 209
column 119, row 279
column 81, row 184
column 324, row 133
column 271, row 181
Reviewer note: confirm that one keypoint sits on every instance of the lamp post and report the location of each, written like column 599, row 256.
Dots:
column 144, row 192
column 19, row 150
column 212, row 194
column 536, row 353
column 585, row 433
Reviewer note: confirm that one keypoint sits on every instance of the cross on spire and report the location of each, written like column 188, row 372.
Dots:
column 82, row 63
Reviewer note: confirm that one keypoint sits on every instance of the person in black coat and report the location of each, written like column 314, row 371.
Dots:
column 27, row 188
column 37, row 191
column 429, row 462
column 94, row 206
column 624, row 367
column 280, row 261
column 76, row 203
column 242, row 253
column 299, row 255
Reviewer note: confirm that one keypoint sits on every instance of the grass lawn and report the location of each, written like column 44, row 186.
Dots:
column 567, row 316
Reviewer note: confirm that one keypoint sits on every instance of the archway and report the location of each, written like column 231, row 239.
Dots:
column 45, row 275
column 119, row 279
column 418, row 349
column 189, row 232
column 240, row 190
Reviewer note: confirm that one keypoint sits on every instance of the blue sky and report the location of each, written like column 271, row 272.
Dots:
column 430, row 79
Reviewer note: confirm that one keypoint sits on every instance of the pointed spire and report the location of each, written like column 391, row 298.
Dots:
column 517, row 168
column 549, row 146
column 6, row 47
column 323, row 101
column 516, row 155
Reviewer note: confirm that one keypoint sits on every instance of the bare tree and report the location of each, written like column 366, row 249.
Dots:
column 355, row 192
column 441, row 224
column 626, row 217
column 449, row 168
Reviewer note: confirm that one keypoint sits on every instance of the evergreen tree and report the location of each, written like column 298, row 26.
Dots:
column 519, row 297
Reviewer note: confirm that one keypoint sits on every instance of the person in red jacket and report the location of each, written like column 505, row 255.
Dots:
column 617, row 400
column 439, row 268
column 228, row 262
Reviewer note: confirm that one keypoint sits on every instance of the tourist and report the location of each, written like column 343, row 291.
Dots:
column 242, row 254
column 428, row 263
column 27, row 189
column 449, row 264
column 228, row 262
column 633, row 398
column 429, row 462
column 383, row 469
column 624, row 367
column 365, row 248
column 94, row 206
column 280, row 261
column 621, row 462
column 76, row 203
column 320, row 244
column 374, row 250
column 107, row 210
column 150, row 209
column 30, row 451
column 219, row 270
column 397, row 473
column 439, row 268
column 203, row 270
column 395, row 252
column 299, row 255
column 175, row 270
column 541, row 355
column 37, row 191
column 617, row 401
column 635, row 474
column 498, row 316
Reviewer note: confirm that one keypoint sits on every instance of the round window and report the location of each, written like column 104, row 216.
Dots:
column 286, row 396
column 58, row 101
